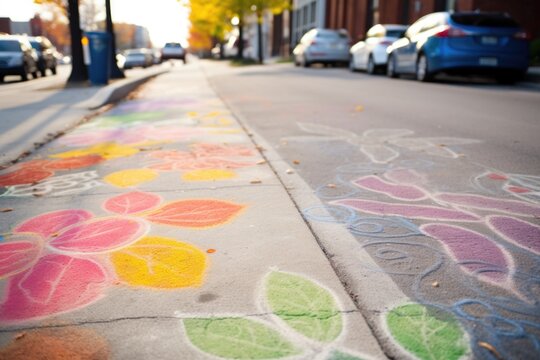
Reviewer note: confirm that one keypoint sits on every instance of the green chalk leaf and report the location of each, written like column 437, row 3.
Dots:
column 304, row 306
column 428, row 333
column 238, row 338
column 338, row 355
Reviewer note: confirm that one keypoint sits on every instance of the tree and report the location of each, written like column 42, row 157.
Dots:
column 79, row 72
column 260, row 7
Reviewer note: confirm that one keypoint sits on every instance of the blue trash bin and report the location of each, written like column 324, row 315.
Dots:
column 99, row 44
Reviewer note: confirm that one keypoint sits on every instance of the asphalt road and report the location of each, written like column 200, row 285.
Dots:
column 439, row 182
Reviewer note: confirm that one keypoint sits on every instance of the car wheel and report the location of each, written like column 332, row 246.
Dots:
column 351, row 64
column 371, row 66
column 35, row 74
column 1, row 78
column 24, row 74
column 422, row 69
column 391, row 67
column 43, row 72
column 53, row 70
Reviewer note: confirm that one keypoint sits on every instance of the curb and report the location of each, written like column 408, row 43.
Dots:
column 117, row 91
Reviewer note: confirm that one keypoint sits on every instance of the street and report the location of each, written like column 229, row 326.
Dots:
column 387, row 159
column 272, row 211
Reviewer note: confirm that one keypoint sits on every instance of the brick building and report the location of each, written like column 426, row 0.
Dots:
column 357, row 16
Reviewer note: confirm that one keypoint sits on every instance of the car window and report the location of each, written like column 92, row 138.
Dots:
column 173, row 45
column 35, row 45
column 332, row 35
column 10, row 45
column 395, row 33
column 484, row 20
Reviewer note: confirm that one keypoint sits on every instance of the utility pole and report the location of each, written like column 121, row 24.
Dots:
column 116, row 73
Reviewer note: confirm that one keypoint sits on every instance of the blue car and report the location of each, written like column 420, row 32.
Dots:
column 461, row 43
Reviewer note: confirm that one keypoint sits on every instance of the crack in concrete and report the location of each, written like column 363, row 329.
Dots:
column 148, row 317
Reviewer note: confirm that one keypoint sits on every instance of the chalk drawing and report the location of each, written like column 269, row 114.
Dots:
column 424, row 212
column 375, row 143
column 99, row 235
column 55, row 284
column 64, row 260
column 306, row 320
column 476, row 253
column 18, row 252
column 51, row 223
column 195, row 213
column 405, row 176
column 56, row 186
column 130, row 177
column 109, row 150
column 24, row 176
column 367, row 226
column 516, row 231
column 490, row 204
column 70, row 342
column 132, row 202
column 428, row 333
column 208, row 175
column 398, row 192
column 160, row 262
column 203, row 156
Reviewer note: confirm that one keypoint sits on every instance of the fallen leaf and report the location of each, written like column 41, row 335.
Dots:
column 261, row 162
column 255, row 181
column 490, row 348
column 331, row 186
column 435, row 284
column 296, row 162
column 289, row 171
column 5, row 210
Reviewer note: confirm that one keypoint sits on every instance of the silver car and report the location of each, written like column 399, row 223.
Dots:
column 370, row 54
column 324, row 46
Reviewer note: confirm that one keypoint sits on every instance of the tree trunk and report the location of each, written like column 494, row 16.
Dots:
column 240, row 54
column 260, row 39
column 116, row 73
column 79, row 72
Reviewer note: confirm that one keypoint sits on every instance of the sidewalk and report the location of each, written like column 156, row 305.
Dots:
column 49, row 108
column 158, row 231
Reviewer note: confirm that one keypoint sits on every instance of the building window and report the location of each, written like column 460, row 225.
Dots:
column 313, row 12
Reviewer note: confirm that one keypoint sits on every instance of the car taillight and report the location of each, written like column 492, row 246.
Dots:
column 449, row 31
column 386, row 42
column 522, row 35
column 313, row 42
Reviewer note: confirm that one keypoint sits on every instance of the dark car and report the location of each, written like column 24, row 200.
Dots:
column 465, row 42
column 17, row 57
column 46, row 54
column 173, row 50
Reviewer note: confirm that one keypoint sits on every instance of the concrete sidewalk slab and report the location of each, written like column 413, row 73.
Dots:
column 157, row 231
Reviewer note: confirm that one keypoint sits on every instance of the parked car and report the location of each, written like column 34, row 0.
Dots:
column 464, row 42
column 46, row 54
column 173, row 50
column 370, row 54
column 324, row 46
column 156, row 57
column 138, row 58
column 17, row 57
